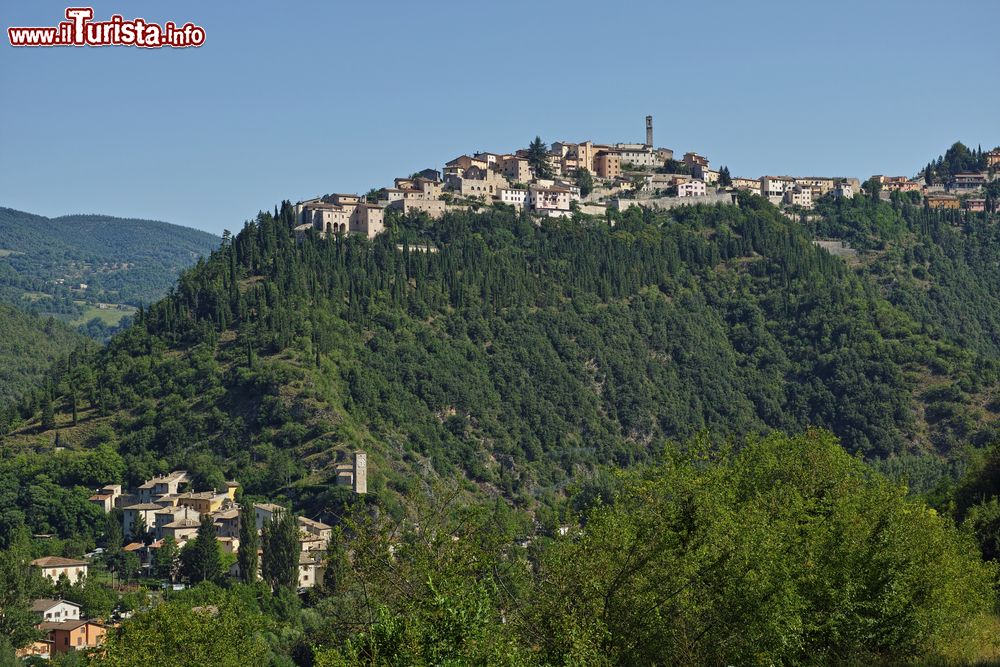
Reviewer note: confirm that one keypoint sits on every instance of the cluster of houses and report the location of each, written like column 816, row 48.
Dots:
column 64, row 629
column 624, row 175
column 469, row 181
column 160, row 508
column 964, row 190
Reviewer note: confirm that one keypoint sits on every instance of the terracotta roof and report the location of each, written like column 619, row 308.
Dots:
column 57, row 561
column 144, row 506
column 66, row 625
column 133, row 546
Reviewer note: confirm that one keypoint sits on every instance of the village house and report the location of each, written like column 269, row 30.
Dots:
column 354, row 473
column 607, row 165
column 341, row 214
column 554, row 163
column 105, row 501
column 549, row 201
column 144, row 512
column 53, row 567
column 993, row 158
column 774, row 187
column 844, row 190
column 515, row 169
column 316, row 531
column 638, row 155
column 107, row 496
column 164, row 485
column 230, row 545
column 492, row 159
column 73, row 635
column 40, row 648
column 168, row 515
column 204, row 502
column 748, row 184
column 693, row 160
column 227, row 522
column 310, row 570
column 181, row 530
column 968, row 181
column 897, row 183
column 416, row 188
column 799, row 196
column 942, row 201
column 974, row 205
column 477, row 183
column 820, row 185
column 458, row 166
column 513, row 196
column 264, row 512
column 692, row 189
column 709, row 176
column 55, row 610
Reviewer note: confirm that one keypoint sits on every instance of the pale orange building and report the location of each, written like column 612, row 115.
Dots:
column 608, row 165
column 75, row 635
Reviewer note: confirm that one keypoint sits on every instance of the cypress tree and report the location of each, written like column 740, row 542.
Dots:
column 246, row 556
column 280, row 541
column 200, row 559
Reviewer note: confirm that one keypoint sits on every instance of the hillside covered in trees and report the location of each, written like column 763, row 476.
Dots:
column 43, row 261
column 29, row 346
column 519, row 356
column 500, row 374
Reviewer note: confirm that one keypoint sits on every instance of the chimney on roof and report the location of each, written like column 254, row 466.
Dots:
column 649, row 131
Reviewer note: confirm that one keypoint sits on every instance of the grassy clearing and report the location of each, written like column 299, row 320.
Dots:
column 110, row 316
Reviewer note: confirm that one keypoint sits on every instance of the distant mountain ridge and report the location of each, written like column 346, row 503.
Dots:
column 79, row 268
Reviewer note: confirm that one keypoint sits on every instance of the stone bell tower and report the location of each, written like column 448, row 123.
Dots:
column 360, row 472
column 649, row 131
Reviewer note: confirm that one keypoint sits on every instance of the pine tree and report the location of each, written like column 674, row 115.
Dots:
column 165, row 559
column 537, row 156
column 249, row 542
column 725, row 179
column 200, row 559
column 139, row 529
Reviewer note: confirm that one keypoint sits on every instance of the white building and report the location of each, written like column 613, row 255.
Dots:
column 692, row 189
column 549, row 201
column 56, row 610
column 514, row 197
column 774, row 187
column 799, row 196
column 844, row 190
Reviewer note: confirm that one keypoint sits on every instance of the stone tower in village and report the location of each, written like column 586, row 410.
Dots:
column 649, row 131
column 360, row 472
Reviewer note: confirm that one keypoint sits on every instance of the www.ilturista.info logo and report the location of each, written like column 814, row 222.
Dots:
column 81, row 30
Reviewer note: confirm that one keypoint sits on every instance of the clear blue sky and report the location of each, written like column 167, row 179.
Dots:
column 294, row 99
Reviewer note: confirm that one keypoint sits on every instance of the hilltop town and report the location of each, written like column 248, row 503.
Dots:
column 588, row 178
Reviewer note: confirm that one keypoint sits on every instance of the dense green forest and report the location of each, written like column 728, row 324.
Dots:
column 122, row 261
column 784, row 550
column 29, row 346
column 516, row 355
